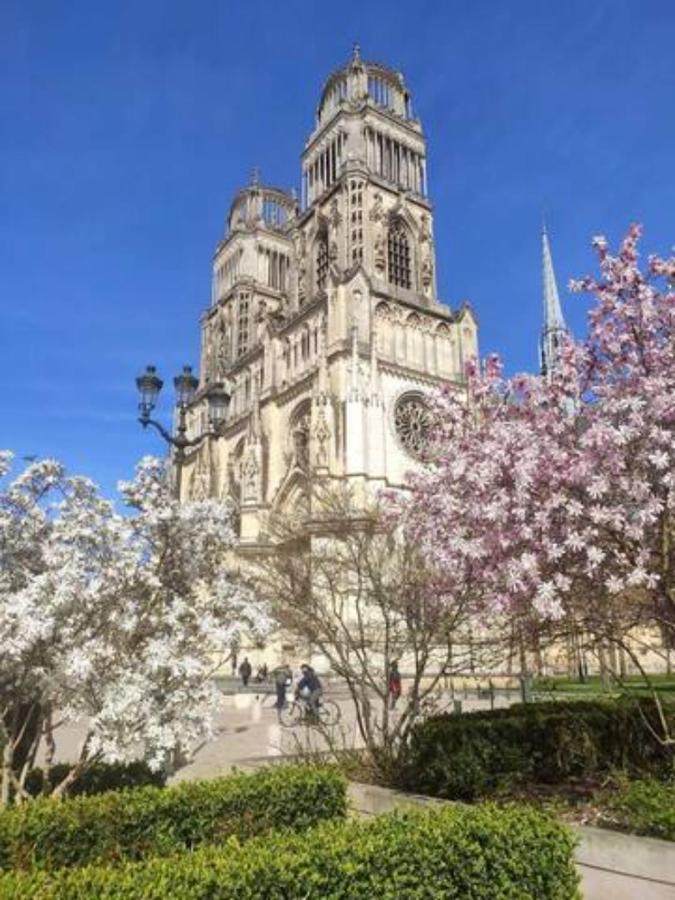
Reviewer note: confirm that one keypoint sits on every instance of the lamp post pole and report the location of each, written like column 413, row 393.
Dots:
column 149, row 385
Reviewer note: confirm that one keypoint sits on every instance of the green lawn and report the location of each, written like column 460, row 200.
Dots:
column 593, row 685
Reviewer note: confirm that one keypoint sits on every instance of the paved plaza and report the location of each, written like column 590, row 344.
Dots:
column 248, row 732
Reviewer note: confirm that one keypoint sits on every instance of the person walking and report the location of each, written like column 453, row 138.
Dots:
column 310, row 688
column 245, row 671
column 394, row 684
column 283, row 679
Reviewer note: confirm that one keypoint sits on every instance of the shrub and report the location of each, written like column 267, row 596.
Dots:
column 643, row 807
column 471, row 755
column 478, row 852
column 142, row 822
column 97, row 779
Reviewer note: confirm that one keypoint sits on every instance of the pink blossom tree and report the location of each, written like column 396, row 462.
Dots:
column 554, row 497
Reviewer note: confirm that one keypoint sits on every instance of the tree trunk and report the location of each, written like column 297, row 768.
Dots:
column 7, row 761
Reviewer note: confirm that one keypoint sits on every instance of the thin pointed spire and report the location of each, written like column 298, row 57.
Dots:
column 554, row 330
column 553, row 317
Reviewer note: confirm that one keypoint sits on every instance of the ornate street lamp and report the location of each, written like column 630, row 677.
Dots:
column 149, row 385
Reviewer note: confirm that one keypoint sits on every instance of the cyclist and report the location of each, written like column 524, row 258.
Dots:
column 309, row 688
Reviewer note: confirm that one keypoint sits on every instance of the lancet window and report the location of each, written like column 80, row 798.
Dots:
column 395, row 161
column 322, row 263
column 275, row 268
column 243, row 324
column 356, row 219
column 324, row 169
column 226, row 274
column 398, row 253
column 379, row 91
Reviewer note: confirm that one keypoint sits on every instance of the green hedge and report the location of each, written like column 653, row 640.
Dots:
column 97, row 779
column 142, row 822
column 472, row 755
column 457, row 852
column 642, row 807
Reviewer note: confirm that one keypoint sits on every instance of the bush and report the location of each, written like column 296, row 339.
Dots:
column 472, row 755
column 140, row 822
column 97, row 779
column 642, row 807
column 478, row 852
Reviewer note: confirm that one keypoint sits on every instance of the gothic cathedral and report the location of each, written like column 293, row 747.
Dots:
column 325, row 328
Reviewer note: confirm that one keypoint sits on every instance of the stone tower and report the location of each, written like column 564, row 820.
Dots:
column 324, row 324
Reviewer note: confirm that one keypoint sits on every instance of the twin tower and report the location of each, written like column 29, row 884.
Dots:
column 324, row 326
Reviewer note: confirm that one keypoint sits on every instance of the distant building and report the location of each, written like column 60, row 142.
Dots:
column 324, row 323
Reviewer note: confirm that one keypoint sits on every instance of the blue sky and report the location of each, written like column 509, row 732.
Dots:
column 125, row 129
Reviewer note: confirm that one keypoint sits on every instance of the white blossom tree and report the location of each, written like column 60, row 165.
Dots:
column 115, row 620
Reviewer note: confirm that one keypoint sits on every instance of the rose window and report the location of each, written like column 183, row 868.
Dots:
column 413, row 422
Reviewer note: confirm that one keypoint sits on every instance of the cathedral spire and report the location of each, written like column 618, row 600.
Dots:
column 553, row 330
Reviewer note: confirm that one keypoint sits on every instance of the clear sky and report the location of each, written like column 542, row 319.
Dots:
column 125, row 129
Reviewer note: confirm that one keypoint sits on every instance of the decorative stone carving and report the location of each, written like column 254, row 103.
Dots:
column 334, row 216
column 377, row 217
column 321, row 434
column 200, row 484
column 425, row 231
column 300, row 438
column 426, row 256
column 413, row 421
column 377, row 212
column 300, row 245
column 334, row 220
column 250, row 478
column 222, row 352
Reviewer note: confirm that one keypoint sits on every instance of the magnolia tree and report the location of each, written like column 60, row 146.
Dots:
column 117, row 621
column 557, row 495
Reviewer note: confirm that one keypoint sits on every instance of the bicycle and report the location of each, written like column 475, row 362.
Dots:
column 298, row 711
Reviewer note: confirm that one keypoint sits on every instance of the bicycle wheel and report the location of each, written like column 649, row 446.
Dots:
column 329, row 712
column 291, row 715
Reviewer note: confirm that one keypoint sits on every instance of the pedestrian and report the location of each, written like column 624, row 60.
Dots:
column 283, row 679
column 310, row 689
column 245, row 671
column 394, row 684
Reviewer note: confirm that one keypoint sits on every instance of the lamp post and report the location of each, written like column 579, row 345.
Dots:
column 149, row 385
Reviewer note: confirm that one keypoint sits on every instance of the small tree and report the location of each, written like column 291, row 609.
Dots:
column 115, row 620
column 347, row 581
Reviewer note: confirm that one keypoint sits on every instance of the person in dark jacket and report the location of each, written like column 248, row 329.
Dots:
column 310, row 688
column 245, row 671
column 283, row 679
column 394, row 684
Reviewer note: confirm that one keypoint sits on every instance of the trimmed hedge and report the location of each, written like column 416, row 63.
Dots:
column 457, row 852
column 642, row 807
column 472, row 755
column 141, row 822
column 97, row 779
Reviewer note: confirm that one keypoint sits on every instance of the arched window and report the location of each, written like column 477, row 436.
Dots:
column 321, row 263
column 398, row 254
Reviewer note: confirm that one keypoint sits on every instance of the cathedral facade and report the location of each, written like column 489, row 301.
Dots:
column 325, row 328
